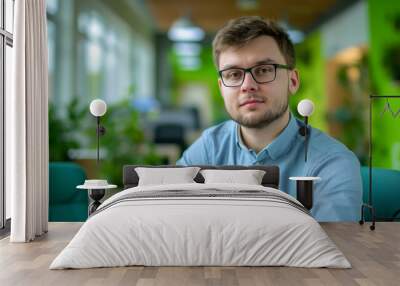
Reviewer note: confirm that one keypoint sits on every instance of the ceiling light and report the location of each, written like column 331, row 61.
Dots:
column 183, row 30
column 187, row 49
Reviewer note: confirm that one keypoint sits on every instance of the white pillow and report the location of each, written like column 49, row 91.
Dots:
column 249, row 177
column 163, row 176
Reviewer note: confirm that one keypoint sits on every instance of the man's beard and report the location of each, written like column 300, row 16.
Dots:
column 264, row 120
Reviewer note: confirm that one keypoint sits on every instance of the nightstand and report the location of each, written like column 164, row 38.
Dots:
column 96, row 189
column 304, row 190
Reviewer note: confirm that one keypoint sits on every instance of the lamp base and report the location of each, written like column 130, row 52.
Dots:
column 304, row 190
column 96, row 195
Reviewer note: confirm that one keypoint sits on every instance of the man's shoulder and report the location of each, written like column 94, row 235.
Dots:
column 324, row 145
column 212, row 140
column 331, row 158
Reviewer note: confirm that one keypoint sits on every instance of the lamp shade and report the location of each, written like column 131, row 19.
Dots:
column 98, row 107
column 305, row 107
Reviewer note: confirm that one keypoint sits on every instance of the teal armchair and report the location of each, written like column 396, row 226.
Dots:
column 66, row 203
column 385, row 191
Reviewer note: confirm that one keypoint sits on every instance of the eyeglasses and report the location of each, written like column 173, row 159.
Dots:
column 234, row 77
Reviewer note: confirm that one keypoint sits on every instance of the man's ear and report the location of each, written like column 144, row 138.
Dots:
column 220, row 83
column 294, row 81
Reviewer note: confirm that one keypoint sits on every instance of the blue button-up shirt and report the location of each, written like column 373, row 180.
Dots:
column 337, row 196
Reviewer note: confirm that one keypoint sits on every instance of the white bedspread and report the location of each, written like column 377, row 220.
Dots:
column 183, row 231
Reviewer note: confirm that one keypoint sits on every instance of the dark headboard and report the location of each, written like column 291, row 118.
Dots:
column 270, row 179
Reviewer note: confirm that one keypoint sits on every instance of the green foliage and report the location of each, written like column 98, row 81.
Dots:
column 123, row 143
column 63, row 130
column 352, row 114
column 391, row 62
column 384, row 42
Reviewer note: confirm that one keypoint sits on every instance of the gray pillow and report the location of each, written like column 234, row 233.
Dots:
column 163, row 176
column 249, row 177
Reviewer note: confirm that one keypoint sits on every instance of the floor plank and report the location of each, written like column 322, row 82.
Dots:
column 374, row 255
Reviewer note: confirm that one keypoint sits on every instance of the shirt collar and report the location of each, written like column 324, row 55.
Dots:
column 238, row 137
column 280, row 144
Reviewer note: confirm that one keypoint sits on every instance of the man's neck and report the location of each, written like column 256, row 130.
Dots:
column 257, row 138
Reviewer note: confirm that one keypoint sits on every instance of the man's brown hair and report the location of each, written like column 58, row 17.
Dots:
column 238, row 32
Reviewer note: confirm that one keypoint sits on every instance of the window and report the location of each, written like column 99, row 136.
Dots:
column 6, row 60
column 105, row 63
column 95, row 51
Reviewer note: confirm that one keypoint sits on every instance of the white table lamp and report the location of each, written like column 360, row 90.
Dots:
column 304, row 185
column 98, row 108
column 305, row 108
column 97, row 188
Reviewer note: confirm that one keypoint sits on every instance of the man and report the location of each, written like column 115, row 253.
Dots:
column 256, row 64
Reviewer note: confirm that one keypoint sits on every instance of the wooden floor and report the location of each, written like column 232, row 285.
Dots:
column 374, row 255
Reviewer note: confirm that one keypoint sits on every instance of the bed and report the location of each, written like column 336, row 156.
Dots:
column 201, row 222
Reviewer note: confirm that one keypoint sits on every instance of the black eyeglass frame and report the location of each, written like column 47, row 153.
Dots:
column 249, row 71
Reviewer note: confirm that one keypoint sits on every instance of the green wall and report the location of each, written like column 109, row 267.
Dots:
column 384, row 25
column 310, row 64
column 206, row 74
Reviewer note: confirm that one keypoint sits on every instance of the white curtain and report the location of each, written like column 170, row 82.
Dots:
column 27, row 122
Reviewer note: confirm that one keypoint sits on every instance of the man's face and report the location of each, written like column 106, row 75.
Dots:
column 252, row 104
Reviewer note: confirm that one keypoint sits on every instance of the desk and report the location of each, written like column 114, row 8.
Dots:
column 374, row 255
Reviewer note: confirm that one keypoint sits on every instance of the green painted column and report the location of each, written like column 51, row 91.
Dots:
column 384, row 66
